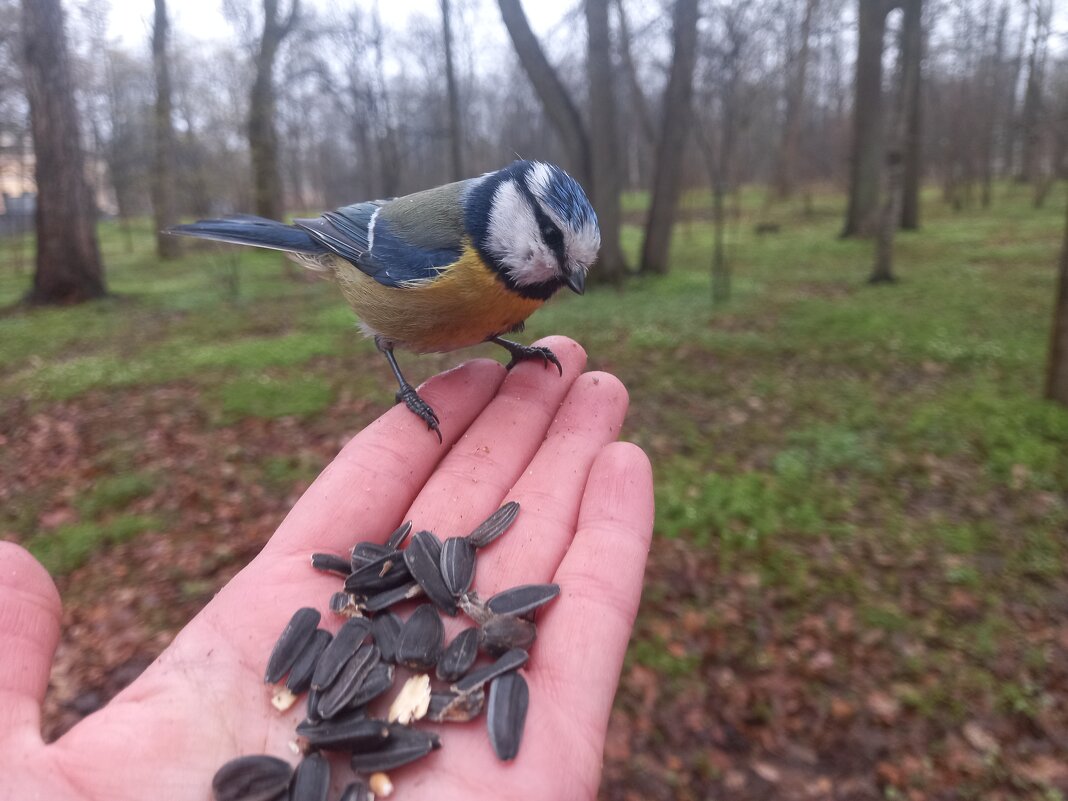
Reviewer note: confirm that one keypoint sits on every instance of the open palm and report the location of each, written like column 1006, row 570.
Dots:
column 585, row 523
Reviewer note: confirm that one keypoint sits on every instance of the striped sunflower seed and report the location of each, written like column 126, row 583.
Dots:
column 297, row 633
column 494, row 525
column 312, row 712
column 364, row 552
column 506, row 713
column 300, row 675
column 403, row 746
column 397, row 538
column 384, row 600
column 344, row 604
column 453, row 707
column 348, row 638
column 421, row 639
column 460, row 655
column 252, row 778
column 331, row 563
column 356, row 791
column 344, row 688
column 311, row 782
column 457, row 565
column 384, row 573
column 423, row 557
column 506, row 663
column 523, row 599
column 378, row 681
column 386, row 629
column 501, row 633
column 349, row 733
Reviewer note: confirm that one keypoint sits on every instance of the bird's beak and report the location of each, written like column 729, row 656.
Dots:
column 576, row 281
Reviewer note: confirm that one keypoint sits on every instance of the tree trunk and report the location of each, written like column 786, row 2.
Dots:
column 671, row 146
column 1031, row 115
column 912, row 55
column 168, row 247
column 862, row 216
column 993, row 92
column 786, row 175
column 637, row 92
column 455, row 130
column 1057, row 370
column 605, row 157
column 262, row 134
column 561, row 111
column 69, row 269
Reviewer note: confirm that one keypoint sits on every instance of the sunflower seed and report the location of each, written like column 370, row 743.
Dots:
column 386, row 629
column 311, row 782
column 312, row 712
column 452, row 707
column 460, row 655
column 297, row 633
column 523, row 599
column 252, row 778
column 506, row 713
column 377, row 682
column 421, row 639
column 356, row 791
column 364, row 552
column 350, row 733
column 397, row 538
column 339, row 651
column 412, row 701
column 457, row 565
column 300, row 675
column 380, row 784
column 423, row 558
column 344, row 604
column 348, row 682
column 384, row 600
column 494, row 525
column 503, row 632
column 474, row 608
column 384, row 573
column 506, row 663
column 331, row 563
column 403, row 746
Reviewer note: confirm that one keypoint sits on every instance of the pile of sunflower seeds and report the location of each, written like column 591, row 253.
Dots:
column 346, row 673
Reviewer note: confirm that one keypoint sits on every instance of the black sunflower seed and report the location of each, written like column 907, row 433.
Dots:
column 460, row 655
column 378, row 681
column 339, row 651
column 312, row 713
column 384, row 600
column 331, row 563
column 311, row 782
column 457, row 565
column 423, row 557
column 300, row 675
column 501, row 633
column 453, row 707
column 384, row 573
column 523, row 599
column 344, row 688
column 494, row 525
column 421, row 639
column 506, row 663
column 403, row 746
column 344, row 603
column 356, row 791
column 506, row 713
column 252, row 778
column 397, row 538
column 297, row 633
column 386, row 629
column 351, row 733
column 364, row 552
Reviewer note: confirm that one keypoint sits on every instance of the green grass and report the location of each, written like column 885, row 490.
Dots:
column 68, row 547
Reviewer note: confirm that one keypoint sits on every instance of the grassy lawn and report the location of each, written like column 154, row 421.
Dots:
column 861, row 562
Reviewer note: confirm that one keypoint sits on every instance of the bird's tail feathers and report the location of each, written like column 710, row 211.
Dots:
column 246, row 229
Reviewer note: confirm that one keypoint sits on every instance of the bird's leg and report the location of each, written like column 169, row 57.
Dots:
column 407, row 392
column 523, row 352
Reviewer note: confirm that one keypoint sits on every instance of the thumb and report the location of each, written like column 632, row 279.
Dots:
column 29, row 631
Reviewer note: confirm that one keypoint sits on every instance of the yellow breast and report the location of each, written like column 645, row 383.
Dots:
column 463, row 306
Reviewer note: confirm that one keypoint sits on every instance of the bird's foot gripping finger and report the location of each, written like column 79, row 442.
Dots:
column 410, row 398
column 521, row 353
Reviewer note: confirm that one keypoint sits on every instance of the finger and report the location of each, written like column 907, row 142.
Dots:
column 363, row 493
column 550, row 490
column 584, row 633
column 29, row 632
column 493, row 453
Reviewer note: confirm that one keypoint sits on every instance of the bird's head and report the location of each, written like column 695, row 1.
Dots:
column 535, row 225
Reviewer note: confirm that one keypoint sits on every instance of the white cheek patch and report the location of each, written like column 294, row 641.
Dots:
column 513, row 236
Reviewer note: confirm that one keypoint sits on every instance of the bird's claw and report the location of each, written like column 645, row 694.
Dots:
column 525, row 352
column 420, row 408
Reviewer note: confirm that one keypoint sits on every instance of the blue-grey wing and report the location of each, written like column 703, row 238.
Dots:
column 398, row 241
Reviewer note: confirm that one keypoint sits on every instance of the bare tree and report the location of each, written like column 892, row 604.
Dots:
column 674, row 131
column 786, row 174
column 1031, row 114
column 168, row 247
column 69, row 269
column 1057, row 366
column 455, row 128
column 912, row 45
column 262, row 135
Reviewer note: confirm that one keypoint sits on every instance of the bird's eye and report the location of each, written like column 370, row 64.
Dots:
column 552, row 235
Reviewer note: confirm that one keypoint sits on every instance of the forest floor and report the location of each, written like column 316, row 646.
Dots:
column 859, row 583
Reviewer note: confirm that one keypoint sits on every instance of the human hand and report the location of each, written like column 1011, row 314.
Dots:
column 585, row 523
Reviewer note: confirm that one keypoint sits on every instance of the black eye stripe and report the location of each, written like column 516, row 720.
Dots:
column 550, row 232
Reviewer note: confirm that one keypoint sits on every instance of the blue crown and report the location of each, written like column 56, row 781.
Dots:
column 566, row 198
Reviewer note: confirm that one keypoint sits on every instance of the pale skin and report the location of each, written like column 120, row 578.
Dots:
column 585, row 522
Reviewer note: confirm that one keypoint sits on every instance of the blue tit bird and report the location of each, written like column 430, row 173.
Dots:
column 444, row 268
